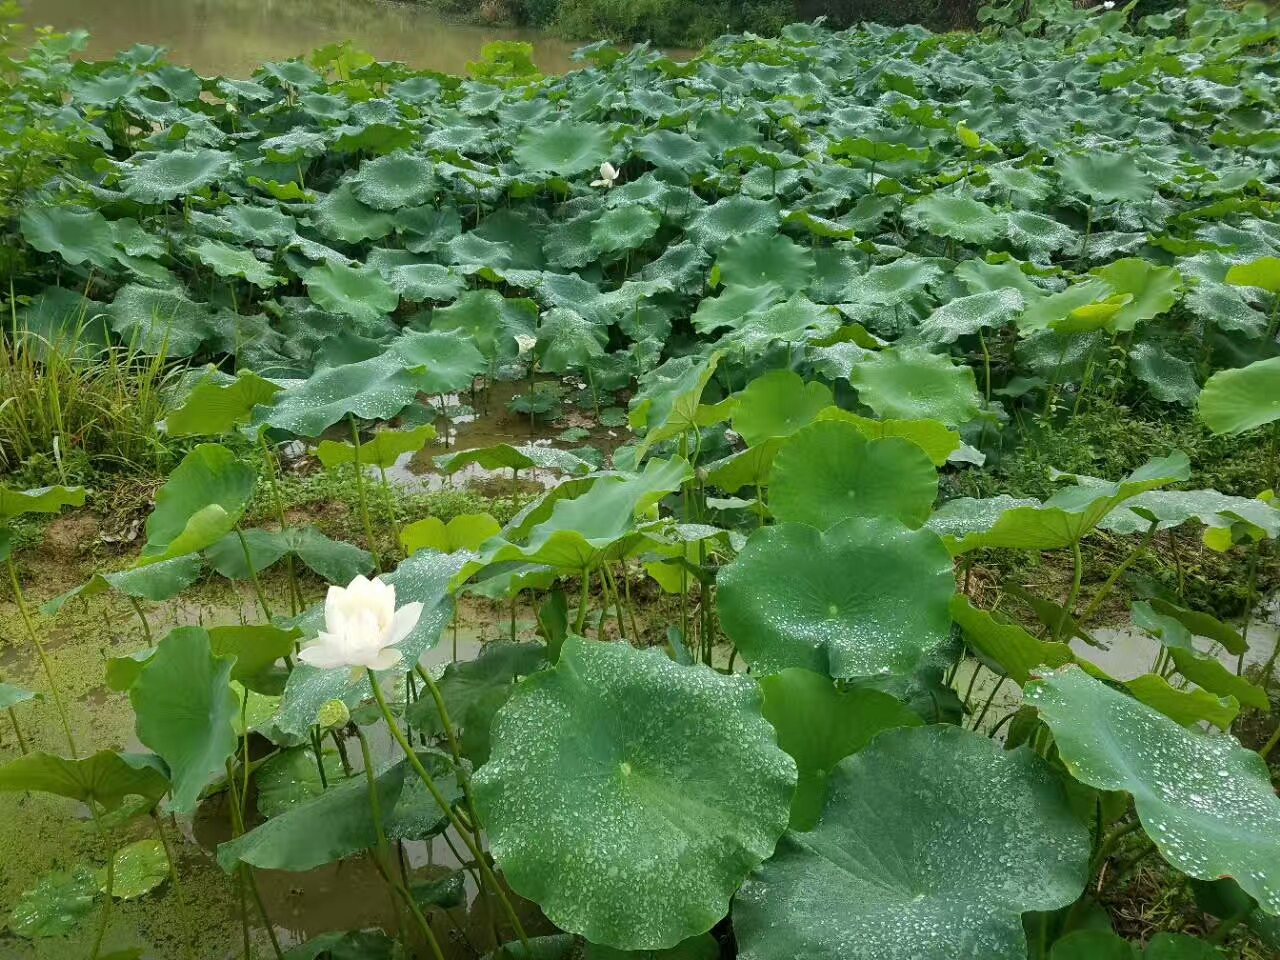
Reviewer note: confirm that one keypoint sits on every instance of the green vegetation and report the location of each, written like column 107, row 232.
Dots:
column 912, row 412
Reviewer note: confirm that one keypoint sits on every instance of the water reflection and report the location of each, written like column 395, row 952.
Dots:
column 232, row 37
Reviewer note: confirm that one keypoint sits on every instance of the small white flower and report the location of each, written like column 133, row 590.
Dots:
column 608, row 176
column 1108, row 4
column 525, row 344
column 361, row 626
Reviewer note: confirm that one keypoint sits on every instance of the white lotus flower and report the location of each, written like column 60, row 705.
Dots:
column 608, row 176
column 1108, row 4
column 361, row 624
column 525, row 344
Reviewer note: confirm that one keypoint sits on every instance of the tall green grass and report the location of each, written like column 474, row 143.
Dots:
column 85, row 407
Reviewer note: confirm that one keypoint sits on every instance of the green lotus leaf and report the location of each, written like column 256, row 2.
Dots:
column 503, row 456
column 1153, row 289
column 892, row 284
column 828, row 472
column 139, row 868
column 1263, row 273
column 17, row 503
column 373, row 389
column 1167, row 377
column 374, row 138
column 340, row 215
column 228, row 261
column 734, row 306
column 965, row 316
column 1044, row 311
column 157, row 320
column 956, row 520
column 1209, row 674
column 161, row 177
column 1190, row 708
column 758, row 259
column 671, row 391
column 394, row 181
column 623, row 228
column 65, row 317
column 353, row 945
column 106, row 778
column 1105, row 945
column 914, row 875
column 561, row 946
column 732, row 217
column 76, row 236
column 957, row 216
column 933, row 437
column 257, row 647
column 1234, row 401
column 1105, row 177
column 216, row 404
column 357, row 292
column 865, row 598
column 568, row 341
column 1205, row 801
column 386, row 447
column 450, row 363
column 672, row 150
column 820, row 725
column 336, row 824
column 777, row 405
column 913, row 384
column 474, row 691
column 491, row 320
column 413, row 278
column 618, row 832
column 291, row 779
column 1015, row 651
column 209, row 477
column 55, row 905
column 335, row 561
column 467, row 531
column 151, row 581
column 821, row 226
column 1037, row 235
column 563, row 148
column 185, row 711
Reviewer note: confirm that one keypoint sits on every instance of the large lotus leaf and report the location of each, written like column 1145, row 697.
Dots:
column 503, row 456
column 828, row 472
column 965, row 316
column 1234, row 401
column 161, row 177
column 340, row 215
column 416, row 279
column 777, row 405
column 1206, row 801
column 865, row 598
column 619, row 831
column 1045, row 312
column 1104, row 177
column 1167, row 377
column 106, row 778
column 263, row 225
column 671, row 391
column 1191, row 708
column 564, row 148
column 158, row 320
column 152, row 581
column 185, row 711
column 1105, row 945
column 732, row 217
column 63, row 317
column 55, row 905
column 217, row 403
column 227, row 261
column 466, row 531
column 357, row 292
column 820, row 725
column 562, row 946
column 291, row 778
column 957, row 216
column 892, row 284
column 76, row 236
column 932, row 436
column 673, row 150
column 905, row 846
column 623, row 228
column 1263, row 273
column 734, row 306
column 386, row 447
column 1016, row 652
column 757, row 259
column 17, row 503
column 914, row 384
column 450, row 363
column 373, row 389
column 1153, row 289
column 962, row 517
column 209, row 478
column 394, row 181
column 336, row 824
column 334, row 560
column 568, row 341
column 491, row 320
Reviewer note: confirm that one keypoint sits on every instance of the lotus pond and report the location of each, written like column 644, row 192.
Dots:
column 636, row 512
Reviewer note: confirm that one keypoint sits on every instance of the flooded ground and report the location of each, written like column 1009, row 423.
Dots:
column 234, row 37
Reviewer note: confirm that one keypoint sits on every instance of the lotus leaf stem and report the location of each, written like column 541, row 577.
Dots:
column 362, row 497
column 1127, row 562
column 269, row 461
column 25, row 614
column 1078, row 568
column 17, row 731
column 177, row 886
column 105, row 918
column 146, row 627
column 253, row 575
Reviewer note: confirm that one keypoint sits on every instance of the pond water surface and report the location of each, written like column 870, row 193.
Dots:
column 233, row 37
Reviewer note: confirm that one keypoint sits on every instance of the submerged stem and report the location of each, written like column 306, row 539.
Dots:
column 177, row 886
column 146, row 627
column 110, row 885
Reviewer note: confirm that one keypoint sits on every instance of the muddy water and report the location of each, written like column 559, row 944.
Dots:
column 233, row 37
